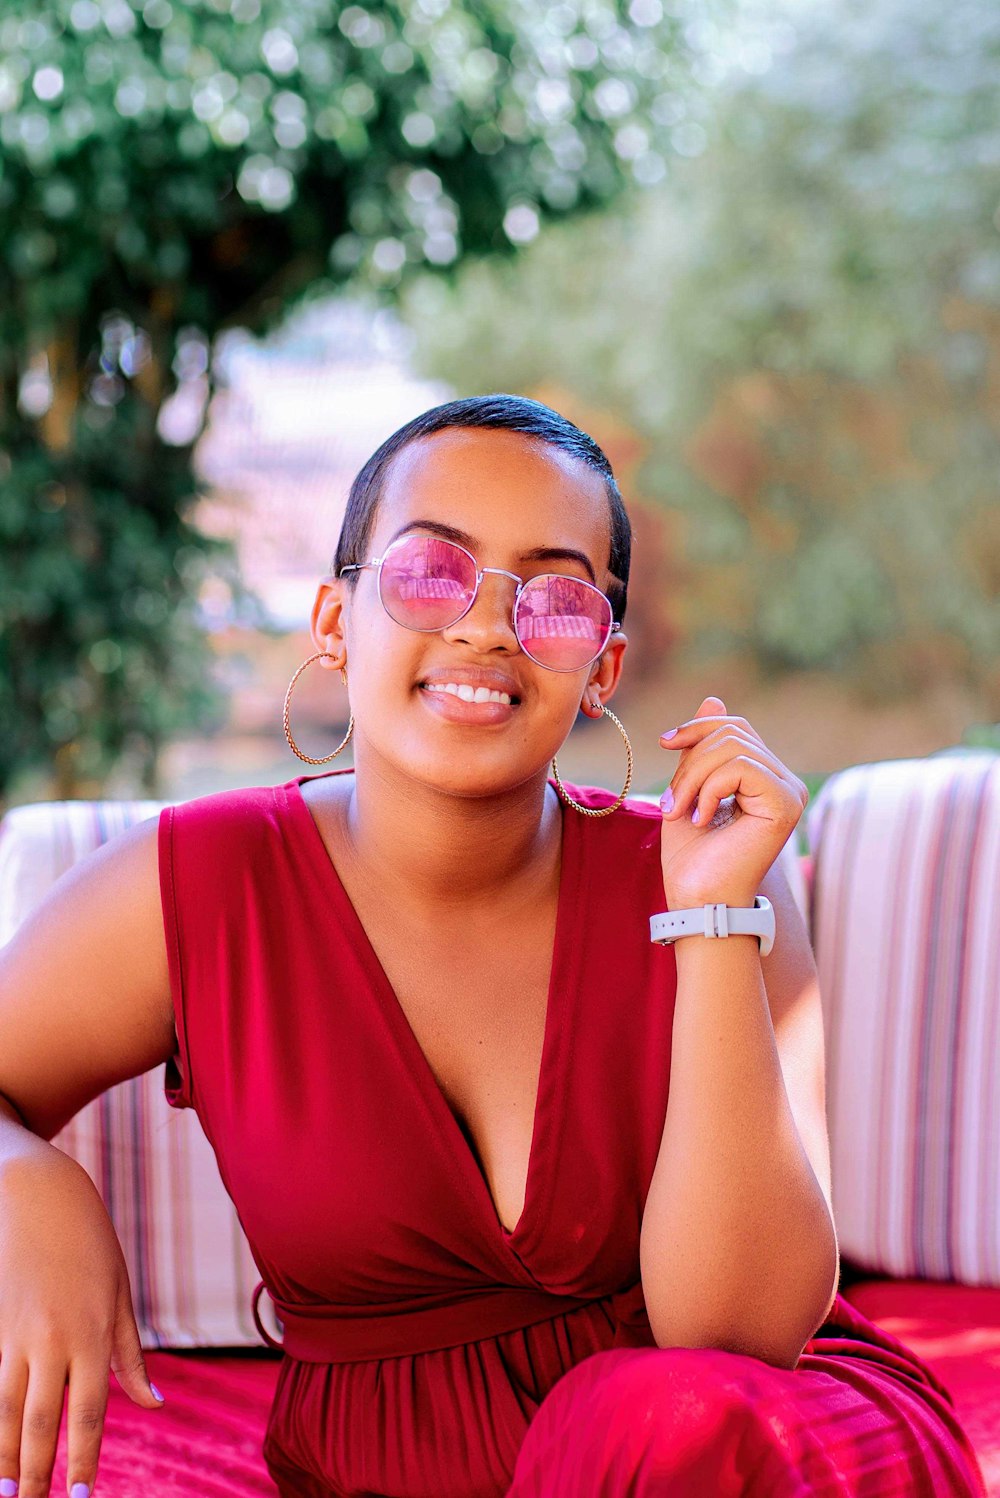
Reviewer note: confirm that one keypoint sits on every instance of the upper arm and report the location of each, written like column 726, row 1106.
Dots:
column 793, row 996
column 85, row 996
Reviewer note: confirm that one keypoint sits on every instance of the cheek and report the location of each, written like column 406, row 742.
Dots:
column 383, row 664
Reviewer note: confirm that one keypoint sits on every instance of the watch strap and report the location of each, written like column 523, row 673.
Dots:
column 716, row 920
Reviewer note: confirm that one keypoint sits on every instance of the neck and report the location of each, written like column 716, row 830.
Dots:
column 449, row 854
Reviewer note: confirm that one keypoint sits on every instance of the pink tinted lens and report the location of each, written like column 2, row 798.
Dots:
column 562, row 623
column 427, row 583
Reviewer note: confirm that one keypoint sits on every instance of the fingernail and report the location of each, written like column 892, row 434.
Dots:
column 667, row 800
column 669, row 733
column 79, row 1490
column 156, row 1392
column 8, row 1487
column 694, row 815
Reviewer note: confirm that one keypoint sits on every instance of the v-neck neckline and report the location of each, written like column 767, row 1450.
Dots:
column 555, row 1038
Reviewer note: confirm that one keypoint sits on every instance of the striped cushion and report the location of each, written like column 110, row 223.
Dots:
column 189, row 1264
column 904, row 927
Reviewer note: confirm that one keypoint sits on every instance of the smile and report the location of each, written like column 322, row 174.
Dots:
column 466, row 692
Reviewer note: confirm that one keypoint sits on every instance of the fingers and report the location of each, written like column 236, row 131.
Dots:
column 39, row 1423
column 13, row 1383
column 127, row 1362
column 31, row 1408
column 85, row 1412
column 697, row 729
column 753, row 781
column 693, row 772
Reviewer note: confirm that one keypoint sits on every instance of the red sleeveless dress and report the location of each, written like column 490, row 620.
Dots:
column 429, row 1351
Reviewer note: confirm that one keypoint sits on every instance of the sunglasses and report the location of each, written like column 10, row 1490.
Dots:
column 425, row 583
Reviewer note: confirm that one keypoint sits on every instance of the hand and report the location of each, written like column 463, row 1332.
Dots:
column 65, row 1317
column 725, row 855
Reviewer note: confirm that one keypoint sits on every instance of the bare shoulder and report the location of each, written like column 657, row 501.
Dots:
column 85, row 997
column 327, row 801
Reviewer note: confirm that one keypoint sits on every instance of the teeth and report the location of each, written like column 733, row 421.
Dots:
column 466, row 692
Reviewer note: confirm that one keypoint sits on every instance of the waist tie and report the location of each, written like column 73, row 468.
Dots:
column 427, row 1323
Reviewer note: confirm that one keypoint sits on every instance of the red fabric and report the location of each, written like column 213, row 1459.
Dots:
column 858, row 1417
column 956, row 1330
column 432, row 1352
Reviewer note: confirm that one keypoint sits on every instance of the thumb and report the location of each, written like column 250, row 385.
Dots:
column 127, row 1362
column 711, row 707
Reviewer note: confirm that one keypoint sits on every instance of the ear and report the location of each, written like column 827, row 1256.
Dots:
column 328, row 621
column 604, row 673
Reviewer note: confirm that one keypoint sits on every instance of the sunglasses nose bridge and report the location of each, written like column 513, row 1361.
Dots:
column 507, row 607
column 501, row 572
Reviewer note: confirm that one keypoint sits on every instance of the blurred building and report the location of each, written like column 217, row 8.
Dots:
column 293, row 420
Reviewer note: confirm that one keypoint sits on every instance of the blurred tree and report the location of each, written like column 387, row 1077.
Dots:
column 172, row 168
column 804, row 323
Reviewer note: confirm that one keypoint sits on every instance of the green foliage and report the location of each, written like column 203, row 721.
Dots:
column 802, row 324
column 101, row 653
column 982, row 736
column 238, row 152
column 173, row 168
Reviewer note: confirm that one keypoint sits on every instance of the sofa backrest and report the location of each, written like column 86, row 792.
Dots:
column 904, row 913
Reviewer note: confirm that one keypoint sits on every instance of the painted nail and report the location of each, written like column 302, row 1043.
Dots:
column 8, row 1487
column 667, row 800
column 79, row 1490
column 156, row 1392
column 669, row 733
column 695, row 815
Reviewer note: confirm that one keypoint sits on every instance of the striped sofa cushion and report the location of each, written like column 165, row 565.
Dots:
column 904, row 925
column 189, row 1263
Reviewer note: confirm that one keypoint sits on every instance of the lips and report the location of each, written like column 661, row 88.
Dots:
column 458, row 710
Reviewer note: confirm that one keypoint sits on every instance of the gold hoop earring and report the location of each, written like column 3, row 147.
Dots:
column 603, row 811
column 288, row 699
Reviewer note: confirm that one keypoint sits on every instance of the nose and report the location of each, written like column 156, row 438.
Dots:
column 490, row 621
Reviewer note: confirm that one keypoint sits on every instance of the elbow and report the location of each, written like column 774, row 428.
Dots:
column 769, row 1349
column 740, row 1340
column 774, row 1324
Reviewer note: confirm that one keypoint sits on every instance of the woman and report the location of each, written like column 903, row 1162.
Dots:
column 419, row 1013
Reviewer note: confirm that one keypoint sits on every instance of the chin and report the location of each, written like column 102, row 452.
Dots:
column 456, row 772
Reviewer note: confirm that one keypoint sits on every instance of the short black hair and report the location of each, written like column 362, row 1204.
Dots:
column 512, row 413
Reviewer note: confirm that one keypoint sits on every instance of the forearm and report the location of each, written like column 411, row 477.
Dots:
column 737, row 1246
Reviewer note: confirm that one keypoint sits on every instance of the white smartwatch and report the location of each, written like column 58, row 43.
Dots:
column 716, row 920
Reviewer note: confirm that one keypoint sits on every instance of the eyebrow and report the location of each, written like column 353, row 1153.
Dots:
column 462, row 538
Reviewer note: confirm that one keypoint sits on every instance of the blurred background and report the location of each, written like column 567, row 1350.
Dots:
column 752, row 248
